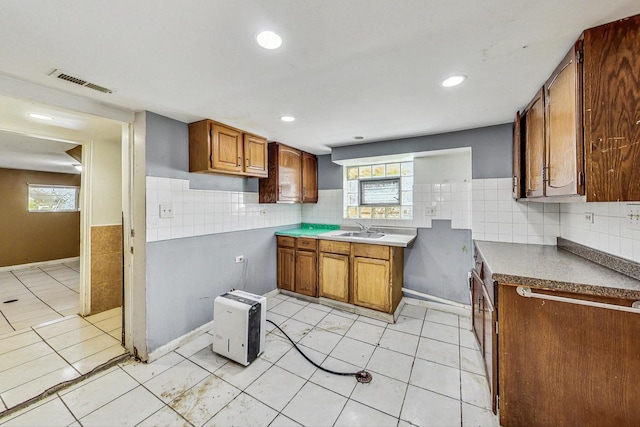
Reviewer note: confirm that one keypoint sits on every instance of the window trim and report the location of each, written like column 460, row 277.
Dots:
column 77, row 197
column 363, row 182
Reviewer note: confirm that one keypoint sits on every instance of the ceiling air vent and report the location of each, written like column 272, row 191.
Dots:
column 75, row 80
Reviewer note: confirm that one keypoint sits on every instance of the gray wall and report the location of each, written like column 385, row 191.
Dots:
column 329, row 174
column 184, row 275
column 490, row 148
column 168, row 156
column 438, row 261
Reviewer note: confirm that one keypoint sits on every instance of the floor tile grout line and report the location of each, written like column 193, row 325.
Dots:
column 47, row 273
column 68, row 409
column 7, row 320
column 56, row 352
column 34, row 294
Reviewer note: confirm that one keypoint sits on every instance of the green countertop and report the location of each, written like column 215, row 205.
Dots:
column 307, row 229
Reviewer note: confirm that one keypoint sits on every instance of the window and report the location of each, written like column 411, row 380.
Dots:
column 379, row 191
column 53, row 198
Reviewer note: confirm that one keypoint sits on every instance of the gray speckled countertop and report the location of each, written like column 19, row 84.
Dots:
column 549, row 267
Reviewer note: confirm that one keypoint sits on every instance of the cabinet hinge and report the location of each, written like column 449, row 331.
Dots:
column 133, row 233
column 580, row 56
column 131, row 249
column 580, row 178
column 496, row 328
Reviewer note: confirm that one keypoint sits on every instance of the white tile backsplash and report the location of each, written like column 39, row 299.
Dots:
column 609, row 232
column 495, row 216
column 199, row 212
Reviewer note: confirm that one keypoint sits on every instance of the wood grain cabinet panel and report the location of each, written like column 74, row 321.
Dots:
column 563, row 137
column 306, row 275
column 612, row 111
column 309, row 178
column 333, row 280
column 292, row 178
column 534, row 146
column 217, row 148
column 516, row 157
column 371, row 283
column 286, row 268
column 564, row 364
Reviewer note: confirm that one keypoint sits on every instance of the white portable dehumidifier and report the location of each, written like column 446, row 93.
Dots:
column 239, row 321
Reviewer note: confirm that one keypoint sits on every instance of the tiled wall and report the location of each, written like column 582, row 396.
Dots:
column 451, row 201
column 200, row 212
column 609, row 231
column 497, row 217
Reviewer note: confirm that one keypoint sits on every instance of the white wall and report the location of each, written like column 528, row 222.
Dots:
column 444, row 168
column 106, row 180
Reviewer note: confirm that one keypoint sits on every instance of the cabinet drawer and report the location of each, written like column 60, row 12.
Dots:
column 371, row 251
column 286, row 241
column 305, row 243
column 334, row 247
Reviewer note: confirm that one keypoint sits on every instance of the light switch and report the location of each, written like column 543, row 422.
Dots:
column 166, row 210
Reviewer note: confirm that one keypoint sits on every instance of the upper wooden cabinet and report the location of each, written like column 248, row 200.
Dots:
column 216, row 148
column 581, row 131
column 290, row 176
column 309, row 178
column 564, row 170
column 612, row 111
column 517, row 179
column 534, row 146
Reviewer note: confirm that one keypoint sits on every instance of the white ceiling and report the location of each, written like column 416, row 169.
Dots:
column 359, row 67
column 33, row 144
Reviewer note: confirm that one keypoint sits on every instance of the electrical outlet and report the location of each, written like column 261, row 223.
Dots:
column 239, row 259
column 166, row 210
column 588, row 217
column 632, row 214
column 263, row 212
column 429, row 211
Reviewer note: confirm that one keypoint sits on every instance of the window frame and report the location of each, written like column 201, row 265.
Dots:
column 361, row 194
column 76, row 188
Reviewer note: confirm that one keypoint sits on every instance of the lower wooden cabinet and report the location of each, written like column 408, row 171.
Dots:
column 333, row 280
column 306, row 275
column 366, row 275
column 567, row 364
column 286, row 268
column 297, row 265
column 371, row 284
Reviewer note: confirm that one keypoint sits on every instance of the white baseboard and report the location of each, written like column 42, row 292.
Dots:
column 174, row 344
column 439, row 306
column 38, row 264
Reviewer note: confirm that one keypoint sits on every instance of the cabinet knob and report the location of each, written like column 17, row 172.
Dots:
column 246, row 162
column 239, row 161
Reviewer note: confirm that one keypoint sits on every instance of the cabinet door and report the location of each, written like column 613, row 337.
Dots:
column 490, row 350
column 309, row 178
column 255, row 155
column 612, row 111
column 286, row 268
column 477, row 303
column 563, row 137
column 371, row 283
column 289, row 174
column 534, row 146
column 334, row 276
column 226, row 149
column 516, row 157
column 306, row 274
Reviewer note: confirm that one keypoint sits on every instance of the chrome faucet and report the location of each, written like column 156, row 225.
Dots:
column 362, row 227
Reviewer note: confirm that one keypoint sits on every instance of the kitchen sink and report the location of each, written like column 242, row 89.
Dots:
column 362, row 234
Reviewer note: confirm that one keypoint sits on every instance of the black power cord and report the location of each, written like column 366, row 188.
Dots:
column 361, row 376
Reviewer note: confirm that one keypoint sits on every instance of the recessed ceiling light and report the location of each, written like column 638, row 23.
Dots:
column 78, row 167
column 287, row 118
column 454, row 80
column 40, row 116
column 358, row 137
column 269, row 40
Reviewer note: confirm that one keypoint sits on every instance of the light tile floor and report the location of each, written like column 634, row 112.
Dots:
column 37, row 358
column 43, row 294
column 426, row 371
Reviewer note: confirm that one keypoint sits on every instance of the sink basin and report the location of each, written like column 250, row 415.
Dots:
column 362, row 234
